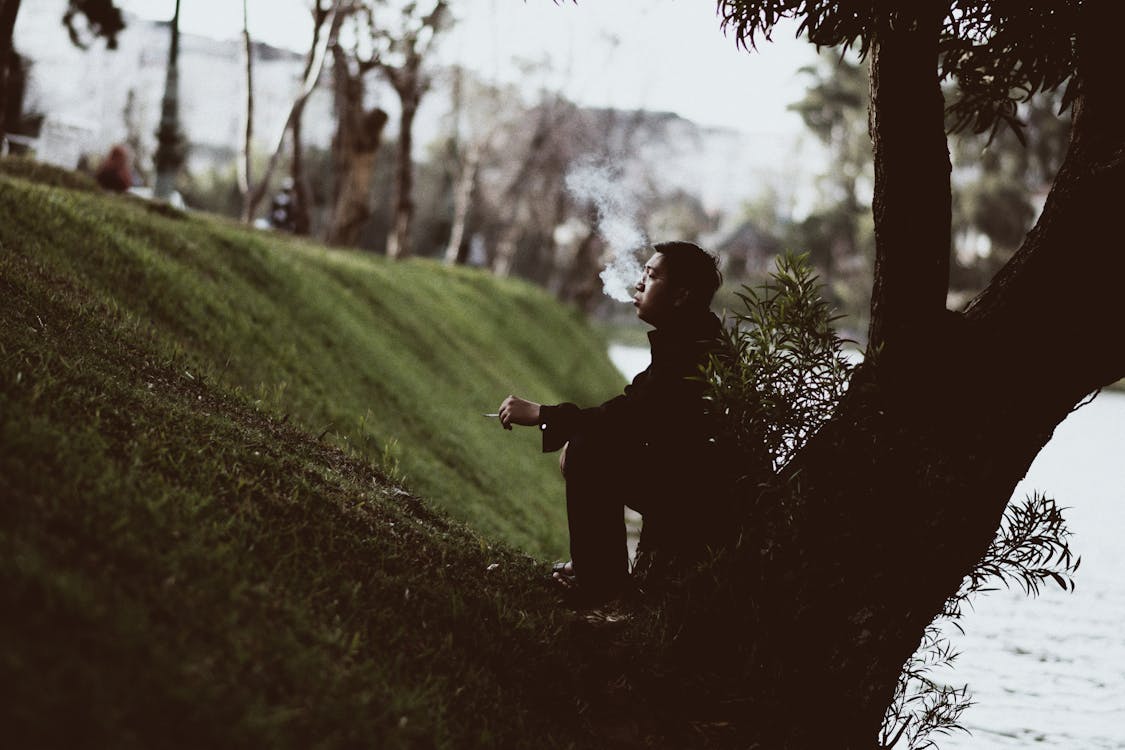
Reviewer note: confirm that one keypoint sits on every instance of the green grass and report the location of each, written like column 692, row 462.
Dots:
column 398, row 359
column 207, row 539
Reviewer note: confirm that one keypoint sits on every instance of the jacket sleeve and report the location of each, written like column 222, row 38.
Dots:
column 560, row 422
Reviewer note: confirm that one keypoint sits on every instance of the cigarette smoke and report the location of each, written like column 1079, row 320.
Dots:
column 615, row 210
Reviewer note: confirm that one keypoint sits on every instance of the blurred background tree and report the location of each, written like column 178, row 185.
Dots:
column 171, row 143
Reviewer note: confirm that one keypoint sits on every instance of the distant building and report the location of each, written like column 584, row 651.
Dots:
column 85, row 95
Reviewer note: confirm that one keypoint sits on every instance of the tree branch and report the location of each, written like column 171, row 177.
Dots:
column 312, row 75
column 1063, row 286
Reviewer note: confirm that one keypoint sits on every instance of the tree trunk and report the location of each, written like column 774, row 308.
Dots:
column 313, row 67
column 9, row 9
column 169, row 136
column 580, row 279
column 245, row 176
column 359, row 133
column 897, row 497
column 505, row 253
column 301, row 192
column 912, row 196
column 462, row 200
column 354, row 155
column 398, row 243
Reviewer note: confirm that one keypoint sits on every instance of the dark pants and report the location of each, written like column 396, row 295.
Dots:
column 673, row 487
column 601, row 479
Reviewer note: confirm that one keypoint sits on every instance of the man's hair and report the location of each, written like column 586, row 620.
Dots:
column 692, row 268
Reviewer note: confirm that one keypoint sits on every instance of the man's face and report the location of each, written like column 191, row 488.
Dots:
column 656, row 298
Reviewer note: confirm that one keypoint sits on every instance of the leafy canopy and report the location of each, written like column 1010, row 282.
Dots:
column 999, row 52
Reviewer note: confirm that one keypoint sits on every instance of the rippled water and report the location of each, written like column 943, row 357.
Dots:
column 1049, row 672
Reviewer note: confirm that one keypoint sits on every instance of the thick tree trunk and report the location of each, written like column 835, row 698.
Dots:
column 398, row 242
column 899, row 495
column 912, row 196
column 359, row 133
column 354, row 155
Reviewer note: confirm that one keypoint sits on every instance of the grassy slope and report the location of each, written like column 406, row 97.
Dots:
column 185, row 563
column 374, row 353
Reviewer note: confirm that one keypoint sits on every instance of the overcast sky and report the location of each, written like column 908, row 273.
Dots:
column 654, row 54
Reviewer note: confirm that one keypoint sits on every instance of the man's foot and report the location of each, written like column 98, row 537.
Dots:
column 563, row 575
column 585, row 597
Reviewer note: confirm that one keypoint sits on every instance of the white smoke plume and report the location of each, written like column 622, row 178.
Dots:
column 616, row 223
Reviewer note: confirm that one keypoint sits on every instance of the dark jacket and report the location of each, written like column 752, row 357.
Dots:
column 662, row 410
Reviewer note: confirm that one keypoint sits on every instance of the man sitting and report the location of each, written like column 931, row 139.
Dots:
column 649, row 448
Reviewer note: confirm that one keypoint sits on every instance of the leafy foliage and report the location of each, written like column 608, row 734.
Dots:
column 1000, row 52
column 788, row 370
column 1031, row 548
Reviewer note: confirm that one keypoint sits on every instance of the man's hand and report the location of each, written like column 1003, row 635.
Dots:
column 516, row 410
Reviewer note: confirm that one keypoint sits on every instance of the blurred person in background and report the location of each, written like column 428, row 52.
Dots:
column 114, row 172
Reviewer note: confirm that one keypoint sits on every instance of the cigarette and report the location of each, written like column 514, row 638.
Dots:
column 491, row 415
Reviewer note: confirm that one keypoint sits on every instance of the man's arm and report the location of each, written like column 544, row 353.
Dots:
column 558, row 422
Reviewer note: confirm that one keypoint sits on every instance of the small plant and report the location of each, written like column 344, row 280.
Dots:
column 788, row 369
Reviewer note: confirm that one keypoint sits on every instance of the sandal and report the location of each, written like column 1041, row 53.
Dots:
column 562, row 575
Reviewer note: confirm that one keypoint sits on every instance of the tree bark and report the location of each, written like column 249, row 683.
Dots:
column 912, row 197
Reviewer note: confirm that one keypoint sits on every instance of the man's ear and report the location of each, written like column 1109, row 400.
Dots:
column 681, row 298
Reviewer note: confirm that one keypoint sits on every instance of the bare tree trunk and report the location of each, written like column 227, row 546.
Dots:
column 358, row 136
column 313, row 68
column 462, row 200
column 579, row 284
column 9, row 9
column 300, row 209
column 245, row 176
column 170, row 138
column 398, row 242
column 514, row 198
column 506, row 248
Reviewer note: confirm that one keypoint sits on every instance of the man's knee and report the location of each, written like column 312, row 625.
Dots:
column 562, row 460
column 583, row 455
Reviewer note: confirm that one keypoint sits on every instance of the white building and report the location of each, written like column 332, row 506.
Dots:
column 84, row 94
